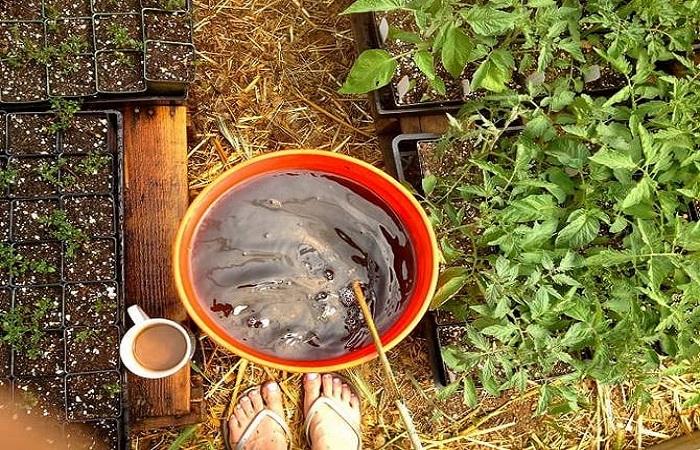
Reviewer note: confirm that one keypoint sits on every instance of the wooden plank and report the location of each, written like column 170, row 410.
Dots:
column 429, row 123
column 155, row 199
column 688, row 442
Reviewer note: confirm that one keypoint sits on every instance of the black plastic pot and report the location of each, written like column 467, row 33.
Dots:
column 382, row 100
column 406, row 160
column 110, row 143
column 152, row 90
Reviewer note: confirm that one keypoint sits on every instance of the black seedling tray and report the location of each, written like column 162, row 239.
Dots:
column 382, row 100
column 147, row 91
column 408, row 168
column 100, row 282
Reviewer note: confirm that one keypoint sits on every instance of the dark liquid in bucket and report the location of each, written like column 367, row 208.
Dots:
column 275, row 258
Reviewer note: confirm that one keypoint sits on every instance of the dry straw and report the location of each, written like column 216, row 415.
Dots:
column 268, row 75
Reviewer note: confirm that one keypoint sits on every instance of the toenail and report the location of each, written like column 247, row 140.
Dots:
column 336, row 381
column 326, row 377
column 311, row 376
column 272, row 387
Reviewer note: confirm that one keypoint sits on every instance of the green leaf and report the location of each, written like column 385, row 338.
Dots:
column 618, row 225
column 640, row 193
column 456, row 50
column 501, row 332
column 428, row 183
column 424, row 61
column 494, row 72
column 488, row 21
column 544, row 400
column 470, row 396
column 575, row 335
column 608, row 258
column 620, row 96
column 647, row 142
column 372, row 70
column 613, row 159
column 582, row 228
column 361, row 6
column 450, row 282
column 531, row 208
column 540, row 305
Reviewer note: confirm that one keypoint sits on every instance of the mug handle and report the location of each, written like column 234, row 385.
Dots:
column 137, row 314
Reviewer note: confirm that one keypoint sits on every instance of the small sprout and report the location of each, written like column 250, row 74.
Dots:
column 8, row 177
column 50, row 172
column 92, row 164
column 173, row 5
column 121, row 38
column 104, row 305
column 16, row 264
column 112, row 389
column 65, row 112
column 64, row 231
column 85, row 335
column 21, row 327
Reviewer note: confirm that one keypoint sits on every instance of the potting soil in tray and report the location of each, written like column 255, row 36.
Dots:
column 60, row 274
column 275, row 258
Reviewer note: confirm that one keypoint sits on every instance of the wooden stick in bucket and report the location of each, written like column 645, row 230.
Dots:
column 400, row 403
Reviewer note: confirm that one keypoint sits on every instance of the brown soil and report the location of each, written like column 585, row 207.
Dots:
column 163, row 4
column 30, row 296
column 72, row 76
column 120, row 72
column 167, row 26
column 66, row 31
column 4, row 220
column 91, row 304
column 29, row 182
column 88, row 396
column 21, row 10
column 49, row 252
column 93, row 215
column 94, row 435
column 70, row 8
column 5, row 352
column 442, row 161
column 28, row 134
column 610, row 79
column 116, row 6
column 106, row 24
column 25, row 220
column 169, row 62
column 41, row 397
column 87, row 133
column 94, row 261
column 90, row 349
column 23, row 78
column 100, row 181
column 50, row 362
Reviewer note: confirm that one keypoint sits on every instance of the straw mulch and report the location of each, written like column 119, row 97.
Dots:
column 267, row 81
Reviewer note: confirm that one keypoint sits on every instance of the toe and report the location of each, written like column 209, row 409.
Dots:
column 247, row 406
column 312, row 389
column 337, row 388
column 327, row 385
column 240, row 415
column 273, row 397
column 345, row 394
column 256, row 400
column 355, row 402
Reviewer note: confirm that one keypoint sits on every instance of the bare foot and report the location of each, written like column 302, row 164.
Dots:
column 328, row 430
column 268, row 435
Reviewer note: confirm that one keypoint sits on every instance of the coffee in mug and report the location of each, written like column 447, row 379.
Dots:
column 155, row 348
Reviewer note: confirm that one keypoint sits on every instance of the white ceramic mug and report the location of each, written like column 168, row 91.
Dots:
column 141, row 322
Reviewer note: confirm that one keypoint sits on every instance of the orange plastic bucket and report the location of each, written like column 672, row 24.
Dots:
column 397, row 198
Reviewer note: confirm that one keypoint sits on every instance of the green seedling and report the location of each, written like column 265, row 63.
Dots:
column 85, row 335
column 121, row 37
column 112, row 389
column 64, row 111
column 22, row 327
column 92, row 164
column 64, row 231
column 8, row 177
column 16, row 264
